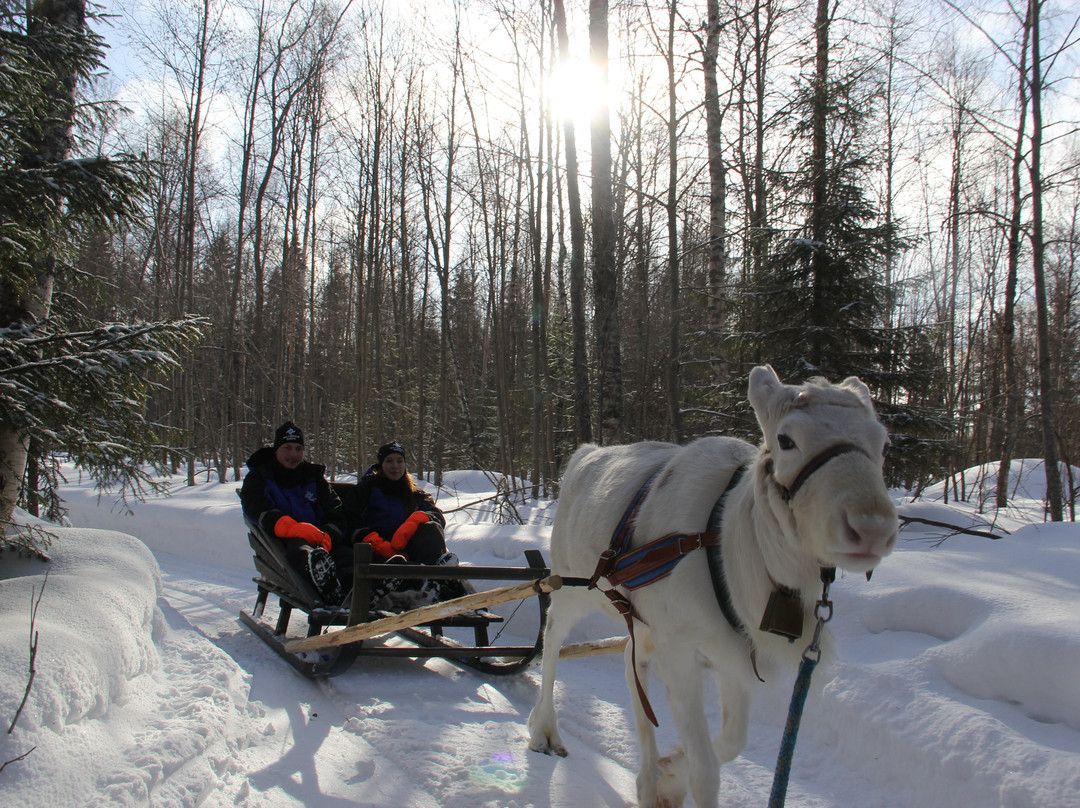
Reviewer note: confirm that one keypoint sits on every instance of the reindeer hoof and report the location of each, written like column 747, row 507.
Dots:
column 674, row 775
column 547, row 748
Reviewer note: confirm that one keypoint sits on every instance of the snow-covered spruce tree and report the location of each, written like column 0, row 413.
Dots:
column 820, row 305
column 66, row 384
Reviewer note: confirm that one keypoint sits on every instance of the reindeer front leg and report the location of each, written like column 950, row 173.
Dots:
column 648, row 772
column 565, row 611
column 735, row 700
column 685, row 695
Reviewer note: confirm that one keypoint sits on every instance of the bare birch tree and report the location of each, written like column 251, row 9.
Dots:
column 579, row 358
column 605, row 276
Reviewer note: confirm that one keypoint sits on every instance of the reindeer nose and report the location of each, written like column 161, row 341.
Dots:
column 873, row 531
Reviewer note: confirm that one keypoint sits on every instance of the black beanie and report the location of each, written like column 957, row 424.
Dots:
column 389, row 449
column 288, row 432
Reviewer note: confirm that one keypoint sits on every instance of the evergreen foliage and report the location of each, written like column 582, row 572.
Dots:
column 45, row 205
column 81, row 392
column 69, row 384
column 820, row 306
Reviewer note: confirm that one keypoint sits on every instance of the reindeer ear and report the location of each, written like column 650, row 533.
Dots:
column 856, row 385
column 763, row 386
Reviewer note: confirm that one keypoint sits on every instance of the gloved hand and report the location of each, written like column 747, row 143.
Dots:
column 404, row 534
column 379, row 545
column 288, row 528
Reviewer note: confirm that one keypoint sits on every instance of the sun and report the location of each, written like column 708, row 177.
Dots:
column 576, row 91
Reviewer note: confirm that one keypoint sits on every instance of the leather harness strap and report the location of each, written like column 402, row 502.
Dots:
column 787, row 492
column 717, row 575
column 650, row 563
column 656, row 559
column 619, row 540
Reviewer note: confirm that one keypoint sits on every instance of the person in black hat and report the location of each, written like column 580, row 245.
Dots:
column 290, row 499
column 400, row 520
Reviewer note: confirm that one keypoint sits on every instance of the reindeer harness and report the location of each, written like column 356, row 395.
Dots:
column 655, row 560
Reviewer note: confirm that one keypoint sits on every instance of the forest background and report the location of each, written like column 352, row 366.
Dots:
column 494, row 230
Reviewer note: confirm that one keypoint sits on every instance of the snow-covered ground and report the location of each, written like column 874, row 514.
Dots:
column 957, row 683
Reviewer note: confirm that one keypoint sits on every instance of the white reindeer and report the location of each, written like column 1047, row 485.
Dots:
column 812, row 496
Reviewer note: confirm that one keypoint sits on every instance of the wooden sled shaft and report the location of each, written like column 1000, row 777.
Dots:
column 382, row 571
column 426, row 614
column 612, row 645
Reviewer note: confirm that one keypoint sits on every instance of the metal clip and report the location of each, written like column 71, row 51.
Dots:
column 823, row 611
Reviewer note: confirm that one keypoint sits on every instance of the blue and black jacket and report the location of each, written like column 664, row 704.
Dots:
column 377, row 503
column 270, row 491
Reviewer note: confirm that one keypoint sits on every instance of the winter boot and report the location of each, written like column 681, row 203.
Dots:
column 382, row 588
column 428, row 593
column 323, row 574
column 450, row 588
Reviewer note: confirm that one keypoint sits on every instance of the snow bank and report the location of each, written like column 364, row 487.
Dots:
column 961, row 665
column 127, row 700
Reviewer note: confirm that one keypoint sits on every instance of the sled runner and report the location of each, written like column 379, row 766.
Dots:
column 463, row 631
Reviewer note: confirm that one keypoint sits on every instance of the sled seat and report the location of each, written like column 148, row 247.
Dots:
column 294, row 591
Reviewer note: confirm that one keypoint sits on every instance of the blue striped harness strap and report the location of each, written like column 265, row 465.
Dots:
column 647, row 564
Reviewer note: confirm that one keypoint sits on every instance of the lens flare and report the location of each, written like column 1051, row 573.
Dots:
column 500, row 772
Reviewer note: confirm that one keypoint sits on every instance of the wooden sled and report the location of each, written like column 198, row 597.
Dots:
column 335, row 637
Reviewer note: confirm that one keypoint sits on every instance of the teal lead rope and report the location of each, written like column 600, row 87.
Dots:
column 791, row 730
column 811, row 657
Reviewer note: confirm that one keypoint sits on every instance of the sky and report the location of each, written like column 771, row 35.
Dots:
column 955, row 683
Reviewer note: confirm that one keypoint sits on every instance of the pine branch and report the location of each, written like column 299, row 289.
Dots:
column 29, row 540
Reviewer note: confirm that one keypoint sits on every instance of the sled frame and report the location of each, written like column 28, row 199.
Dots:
column 427, row 638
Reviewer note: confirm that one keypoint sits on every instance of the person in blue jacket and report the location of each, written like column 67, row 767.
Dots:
column 400, row 520
column 291, row 500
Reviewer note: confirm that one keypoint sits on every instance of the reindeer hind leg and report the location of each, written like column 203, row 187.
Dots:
column 636, row 658
column 567, row 608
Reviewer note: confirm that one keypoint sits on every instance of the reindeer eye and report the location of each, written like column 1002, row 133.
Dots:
column 784, row 442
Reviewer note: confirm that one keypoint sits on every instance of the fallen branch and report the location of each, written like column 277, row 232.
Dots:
column 500, row 497
column 954, row 528
column 33, row 651
column 16, row 760
column 474, row 503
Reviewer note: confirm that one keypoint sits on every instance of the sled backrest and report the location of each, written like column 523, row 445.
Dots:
column 342, row 489
column 275, row 571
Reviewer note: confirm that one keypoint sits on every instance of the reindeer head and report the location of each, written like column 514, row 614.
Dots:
column 823, row 452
